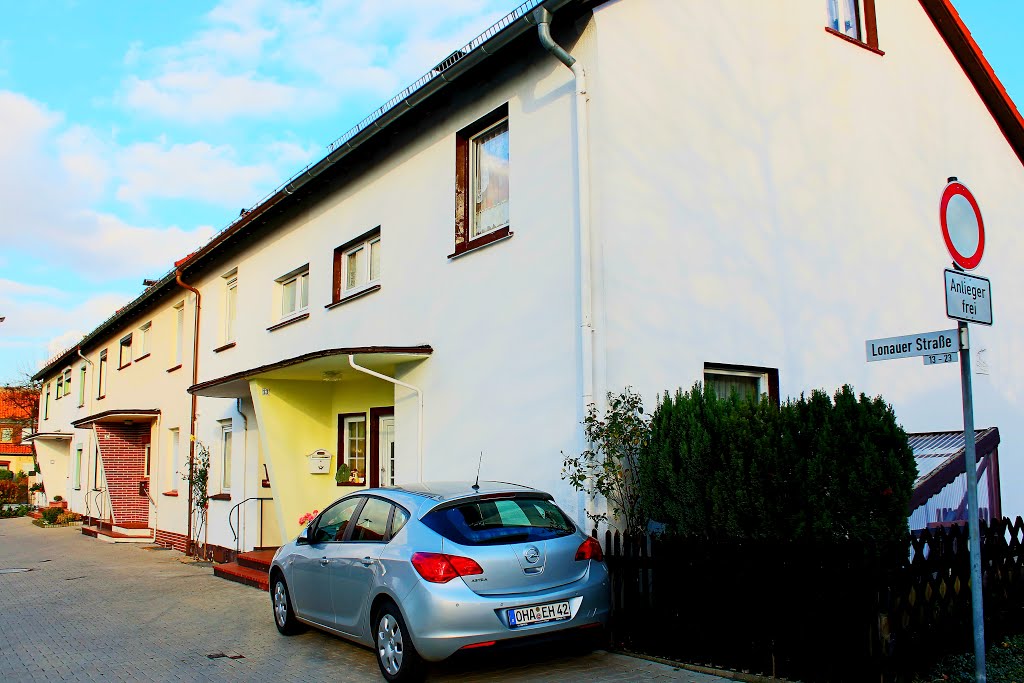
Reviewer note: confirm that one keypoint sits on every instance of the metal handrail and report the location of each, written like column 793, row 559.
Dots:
column 235, row 532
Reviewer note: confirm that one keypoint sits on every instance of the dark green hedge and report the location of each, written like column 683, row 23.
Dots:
column 814, row 469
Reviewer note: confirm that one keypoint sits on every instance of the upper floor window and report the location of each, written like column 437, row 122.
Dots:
column 60, row 387
column 67, row 382
column 143, row 344
column 357, row 266
column 294, row 291
column 482, row 193
column 81, row 386
column 179, row 330
column 6, row 434
column 101, row 377
column 46, row 402
column 230, row 304
column 853, row 19
column 124, row 356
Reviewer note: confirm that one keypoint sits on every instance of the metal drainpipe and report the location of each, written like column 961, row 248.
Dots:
column 419, row 423
column 542, row 18
column 245, row 462
column 195, row 380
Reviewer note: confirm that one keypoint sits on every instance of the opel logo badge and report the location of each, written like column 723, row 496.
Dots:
column 531, row 554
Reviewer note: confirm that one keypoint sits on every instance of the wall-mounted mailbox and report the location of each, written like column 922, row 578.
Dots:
column 320, row 461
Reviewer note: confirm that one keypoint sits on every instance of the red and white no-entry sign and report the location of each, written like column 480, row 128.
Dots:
column 962, row 227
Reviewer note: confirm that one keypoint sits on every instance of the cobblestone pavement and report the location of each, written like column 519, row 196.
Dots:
column 90, row 610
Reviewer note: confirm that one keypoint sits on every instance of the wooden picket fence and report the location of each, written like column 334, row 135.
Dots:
column 838, row 612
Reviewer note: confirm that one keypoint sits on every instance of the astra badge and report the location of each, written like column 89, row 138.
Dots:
column 531, row 554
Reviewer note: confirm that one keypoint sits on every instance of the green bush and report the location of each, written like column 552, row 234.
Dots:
column 6, row 475
column 813, row 469
column 19, row 511
column 50, row 515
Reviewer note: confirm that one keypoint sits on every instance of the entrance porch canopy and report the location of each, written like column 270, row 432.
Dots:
column 327, row 365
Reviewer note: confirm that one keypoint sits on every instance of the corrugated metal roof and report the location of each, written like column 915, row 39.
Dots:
column 933, row 450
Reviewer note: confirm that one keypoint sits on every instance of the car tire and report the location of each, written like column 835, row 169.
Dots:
column 397, row 658
column 281, row 601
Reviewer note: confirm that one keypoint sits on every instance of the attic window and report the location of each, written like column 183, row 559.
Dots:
column 854, row 21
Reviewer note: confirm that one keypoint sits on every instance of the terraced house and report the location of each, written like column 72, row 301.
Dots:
column 588, row 196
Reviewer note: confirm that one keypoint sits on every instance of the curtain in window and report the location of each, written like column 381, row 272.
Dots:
column 491, row 207
column 725, row 385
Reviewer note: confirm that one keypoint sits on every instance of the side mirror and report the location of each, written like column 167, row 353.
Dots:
column 303, row 537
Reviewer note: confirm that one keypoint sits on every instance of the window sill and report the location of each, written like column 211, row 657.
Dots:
column 352, row 297
column 350, row 483
column 173, row 494
column 289, row 321
column 220, row 496
column 145, row 355
column 225, row 347
column 122, row 367
column 100, row 398
column 858, row 43
column 499, row 235
column 176, row 367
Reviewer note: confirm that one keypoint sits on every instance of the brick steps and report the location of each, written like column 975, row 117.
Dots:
column 251, row 569
column 232, row 571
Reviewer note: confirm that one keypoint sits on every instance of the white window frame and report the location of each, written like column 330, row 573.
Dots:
column 230, row 306
column 81, row 385
column 104, row 369
column 60, row 387
column 79, row 451
column 226, row 448
column 148, row 452
column 474, row 146
column 46, row 402
column 762, row 377
column 175, row 436
column 846, row 12
column 124, row 358
column 366, row 260
column 300, row 278
column 179, row 331
column 366, row 444
column 144, row 335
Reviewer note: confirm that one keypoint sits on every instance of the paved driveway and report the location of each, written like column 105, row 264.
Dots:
column 89, row 610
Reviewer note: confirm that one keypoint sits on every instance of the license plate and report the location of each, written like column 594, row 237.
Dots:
column 524, row 616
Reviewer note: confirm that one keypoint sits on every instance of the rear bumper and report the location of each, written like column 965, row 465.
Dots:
column 444, row 618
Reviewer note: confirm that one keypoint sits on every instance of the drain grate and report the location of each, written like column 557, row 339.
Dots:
column 14, row 570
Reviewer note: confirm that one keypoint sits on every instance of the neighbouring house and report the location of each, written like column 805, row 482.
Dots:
column 717, row 190
column 18, row 412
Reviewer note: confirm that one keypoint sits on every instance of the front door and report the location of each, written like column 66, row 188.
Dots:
column 382, row 446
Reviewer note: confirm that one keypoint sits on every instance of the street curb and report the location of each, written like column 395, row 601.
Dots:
column 697, row 668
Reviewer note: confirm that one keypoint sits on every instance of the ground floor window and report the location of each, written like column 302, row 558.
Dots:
column 78, row 468
column 746, row 380
column 354, row 447
column 225, row 455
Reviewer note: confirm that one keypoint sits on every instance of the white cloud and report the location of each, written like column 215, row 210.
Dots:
column 256, row 58
column 197, row 171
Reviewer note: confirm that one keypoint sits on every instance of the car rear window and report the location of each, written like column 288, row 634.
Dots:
column 493, row 522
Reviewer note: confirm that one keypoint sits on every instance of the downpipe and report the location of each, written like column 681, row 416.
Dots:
column 195, row 380
column 542, row 18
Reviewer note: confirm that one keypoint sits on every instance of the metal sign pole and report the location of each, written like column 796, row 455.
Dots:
column 973, row 523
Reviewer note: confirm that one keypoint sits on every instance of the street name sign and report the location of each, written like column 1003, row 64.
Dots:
column 968, row 298
column 910, row 345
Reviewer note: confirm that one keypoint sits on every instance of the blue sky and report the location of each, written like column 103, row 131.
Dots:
column 131, row 131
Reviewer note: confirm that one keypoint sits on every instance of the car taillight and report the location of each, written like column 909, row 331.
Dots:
column 590, row 549
column 440, row 568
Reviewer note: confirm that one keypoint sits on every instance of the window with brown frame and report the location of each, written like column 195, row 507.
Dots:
column 855, row 21
column 749, row 381
column 482, row 196
column 357, row 266
column 124, row 357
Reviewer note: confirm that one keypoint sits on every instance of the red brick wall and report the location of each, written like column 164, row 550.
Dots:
column 169, row 539
column 123, row 452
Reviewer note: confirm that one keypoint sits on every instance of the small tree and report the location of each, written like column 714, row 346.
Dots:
column 609, row 468
column 199, row 479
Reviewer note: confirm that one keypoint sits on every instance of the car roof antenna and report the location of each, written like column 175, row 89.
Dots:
column 476, row 485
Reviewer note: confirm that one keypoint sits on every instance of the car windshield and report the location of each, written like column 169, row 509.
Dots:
column 493, row 522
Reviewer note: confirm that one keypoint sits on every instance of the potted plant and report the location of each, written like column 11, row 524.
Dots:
column 343, row 473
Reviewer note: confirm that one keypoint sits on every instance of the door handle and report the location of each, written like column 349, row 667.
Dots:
column 323, row 561
column 367, row 561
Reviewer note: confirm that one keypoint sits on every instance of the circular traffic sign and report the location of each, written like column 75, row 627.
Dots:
column 962, row 227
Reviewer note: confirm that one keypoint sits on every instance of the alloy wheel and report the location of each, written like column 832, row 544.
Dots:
column 390, row 647
column 280, row 603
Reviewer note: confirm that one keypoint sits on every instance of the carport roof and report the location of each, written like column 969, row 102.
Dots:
column 940, row 459
column 312, row 366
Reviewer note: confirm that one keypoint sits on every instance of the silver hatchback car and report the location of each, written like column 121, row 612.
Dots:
column 423, row 571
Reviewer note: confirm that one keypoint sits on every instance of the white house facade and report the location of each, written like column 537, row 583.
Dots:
column 702, row 191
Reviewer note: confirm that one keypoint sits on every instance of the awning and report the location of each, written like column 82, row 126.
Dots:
column 328, row 365
column 940, row 459
column 125, row 416
column 47, row 436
